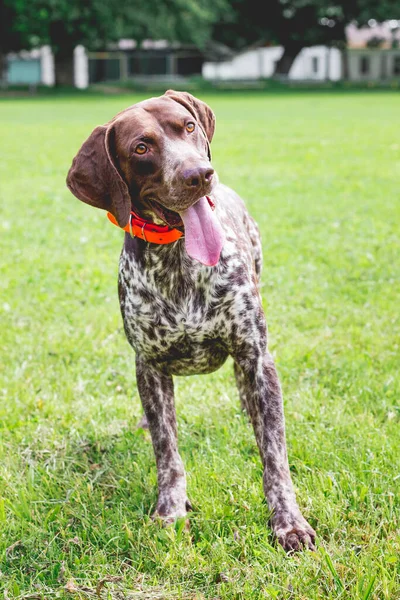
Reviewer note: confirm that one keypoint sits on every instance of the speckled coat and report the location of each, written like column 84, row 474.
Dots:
column 182, row 318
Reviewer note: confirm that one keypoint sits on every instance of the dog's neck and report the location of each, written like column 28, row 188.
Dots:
column 144, row 210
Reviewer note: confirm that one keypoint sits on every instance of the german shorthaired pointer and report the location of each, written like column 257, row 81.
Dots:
column 188, row 285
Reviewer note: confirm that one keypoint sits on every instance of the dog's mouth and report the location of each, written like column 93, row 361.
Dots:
column 204, row 236
column 170, row 217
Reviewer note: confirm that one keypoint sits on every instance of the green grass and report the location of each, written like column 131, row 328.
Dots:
column 320, row 173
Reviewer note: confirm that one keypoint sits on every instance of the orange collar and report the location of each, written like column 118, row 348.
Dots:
column 148, row 231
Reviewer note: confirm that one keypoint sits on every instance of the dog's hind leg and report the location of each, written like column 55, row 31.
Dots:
column 156, row 392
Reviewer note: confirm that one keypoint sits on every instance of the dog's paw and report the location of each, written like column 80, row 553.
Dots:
column 168, row 513
column 294, row 533
column 168, row 520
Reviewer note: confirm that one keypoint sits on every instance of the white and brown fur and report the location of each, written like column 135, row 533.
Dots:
column 182, row 317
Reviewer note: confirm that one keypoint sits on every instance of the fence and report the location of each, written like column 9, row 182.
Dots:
column 115, row 66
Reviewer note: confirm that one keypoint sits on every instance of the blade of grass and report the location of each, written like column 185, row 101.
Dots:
column 369, row 590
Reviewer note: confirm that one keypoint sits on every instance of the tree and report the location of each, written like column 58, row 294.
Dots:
column 384, row 10
column 10, row 40
column 296, row 24
column 63, row 24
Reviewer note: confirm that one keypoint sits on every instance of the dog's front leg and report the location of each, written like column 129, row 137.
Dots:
column 157, row 395
column 263, row 400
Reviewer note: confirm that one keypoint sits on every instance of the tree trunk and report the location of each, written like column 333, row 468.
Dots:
column 64, row 68
column 284, row 64
column 345, row 64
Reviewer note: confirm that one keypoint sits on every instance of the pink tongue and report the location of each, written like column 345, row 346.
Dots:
column 204, row 236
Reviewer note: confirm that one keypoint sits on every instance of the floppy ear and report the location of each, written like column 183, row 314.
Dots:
column 200, row 111
column 94, row 178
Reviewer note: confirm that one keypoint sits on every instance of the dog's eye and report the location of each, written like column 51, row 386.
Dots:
column 190, row 127
column 141, row 149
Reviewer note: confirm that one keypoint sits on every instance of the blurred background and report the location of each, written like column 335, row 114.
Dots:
column 306, row 97
column 216, row 42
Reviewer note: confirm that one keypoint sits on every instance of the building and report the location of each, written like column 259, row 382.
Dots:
column 154, row 59
column 317, row 63
column 31, row 68
column 373, row 53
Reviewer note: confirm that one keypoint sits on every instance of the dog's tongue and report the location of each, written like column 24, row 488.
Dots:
column 204, row 236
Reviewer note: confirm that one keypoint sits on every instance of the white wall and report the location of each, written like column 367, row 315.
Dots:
column 47, row 66
column 318, row 63
column 253, row 64
column 81, row 68
column 260, row 63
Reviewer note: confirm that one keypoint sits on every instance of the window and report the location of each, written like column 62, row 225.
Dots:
column 364, row 65
column 315, row 64
column 396, row 65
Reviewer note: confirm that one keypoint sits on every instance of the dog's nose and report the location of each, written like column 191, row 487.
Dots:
column 197, row 177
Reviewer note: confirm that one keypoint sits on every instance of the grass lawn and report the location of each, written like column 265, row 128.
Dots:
column 320, row 173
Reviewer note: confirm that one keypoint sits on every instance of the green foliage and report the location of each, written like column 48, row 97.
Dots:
column 297, row 23
column 10, row 38
column 320, row 173
column 369, row 9
column 65, row 23
column 294, row 22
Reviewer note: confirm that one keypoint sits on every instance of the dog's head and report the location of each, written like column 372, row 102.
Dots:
column 153, row 157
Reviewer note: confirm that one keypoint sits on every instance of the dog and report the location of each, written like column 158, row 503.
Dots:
column 188, row 285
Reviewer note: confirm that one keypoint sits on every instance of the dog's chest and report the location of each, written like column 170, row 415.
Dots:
column 173, row 313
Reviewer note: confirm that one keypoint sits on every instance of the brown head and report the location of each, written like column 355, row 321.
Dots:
column 154, row 157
